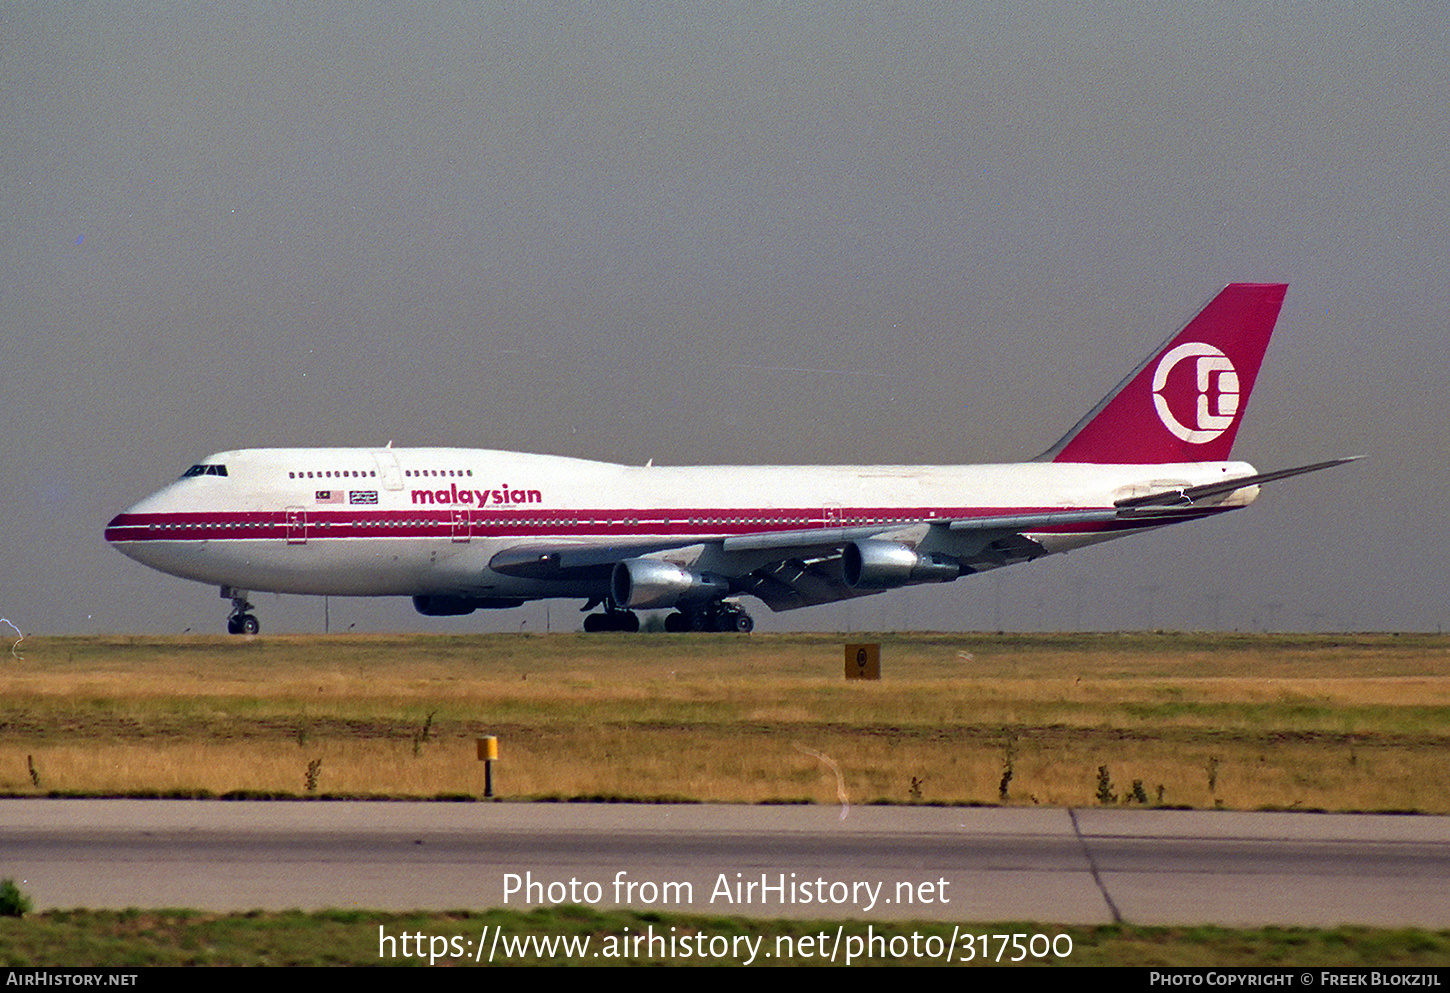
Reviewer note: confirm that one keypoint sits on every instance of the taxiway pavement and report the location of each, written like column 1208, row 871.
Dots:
column 959, row 864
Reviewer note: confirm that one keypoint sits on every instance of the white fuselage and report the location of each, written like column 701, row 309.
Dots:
column 428, row 521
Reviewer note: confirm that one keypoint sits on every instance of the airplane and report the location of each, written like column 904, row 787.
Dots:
column 460, row 529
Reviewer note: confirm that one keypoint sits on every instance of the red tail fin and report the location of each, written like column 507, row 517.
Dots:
column 1184, row 403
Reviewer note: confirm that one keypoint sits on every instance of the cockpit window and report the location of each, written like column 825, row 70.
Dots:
column 205, row 470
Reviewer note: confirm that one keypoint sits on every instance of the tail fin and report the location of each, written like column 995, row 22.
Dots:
column 1185, row 401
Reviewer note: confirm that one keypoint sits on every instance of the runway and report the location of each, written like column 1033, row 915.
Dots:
column 878, row 863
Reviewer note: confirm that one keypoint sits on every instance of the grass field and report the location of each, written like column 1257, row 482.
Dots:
column 1330, row 722
column 1324, row 722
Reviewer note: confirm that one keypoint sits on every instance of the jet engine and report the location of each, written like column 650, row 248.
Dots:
column 884, row 565
column 654, row 583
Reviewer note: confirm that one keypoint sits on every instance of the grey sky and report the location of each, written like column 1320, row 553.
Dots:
column 620, row 231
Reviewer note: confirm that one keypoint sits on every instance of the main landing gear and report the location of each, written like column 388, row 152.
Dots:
column 717, row 616
column 612, row 620
column 241, row 620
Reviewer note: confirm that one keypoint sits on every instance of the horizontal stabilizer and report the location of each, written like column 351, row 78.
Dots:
column 1192, row 494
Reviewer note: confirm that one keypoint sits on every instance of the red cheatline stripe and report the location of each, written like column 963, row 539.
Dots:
column 321, row 524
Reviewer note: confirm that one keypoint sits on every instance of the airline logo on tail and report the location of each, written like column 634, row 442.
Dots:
column 1185, row 401
column 1216, row 398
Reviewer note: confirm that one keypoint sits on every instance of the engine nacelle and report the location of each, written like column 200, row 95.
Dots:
column 438, row 605
column 653, row 583
column 884, row 565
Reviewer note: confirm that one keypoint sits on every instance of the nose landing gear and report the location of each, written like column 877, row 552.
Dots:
column 241, row 620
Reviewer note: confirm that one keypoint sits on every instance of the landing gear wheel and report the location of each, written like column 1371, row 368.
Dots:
column 245, row 624
column 612, row 620
column 240, row 620
column 732, row 617
column 719, row 616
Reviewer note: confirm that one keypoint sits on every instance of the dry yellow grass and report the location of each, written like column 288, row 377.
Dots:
column 1330, row 722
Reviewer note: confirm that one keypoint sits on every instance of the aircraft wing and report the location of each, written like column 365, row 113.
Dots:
column 791, row 569
column 805, row 567
column 574, row 560
column 810, row 568
column 807, row 540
